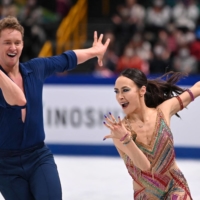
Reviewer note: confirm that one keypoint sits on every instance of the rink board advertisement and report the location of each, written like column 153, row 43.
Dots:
column 74, row 115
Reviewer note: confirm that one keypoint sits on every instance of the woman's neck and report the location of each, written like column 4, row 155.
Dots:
column 141, row 115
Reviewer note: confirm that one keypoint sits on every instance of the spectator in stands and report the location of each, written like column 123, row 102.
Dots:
column 40, row 24
column 143, row 137
column 110, row 58
column 63, row 7
column 137, row 14
column 131, row 60
column 157, row 16
column 184, row 62
column 185, row 13
column 27, row 166
column 160, row 63
column 168, row 37
column 195, row 47
column 31, row 17
column 129, row 18
column 8, row 8
column 141, row 46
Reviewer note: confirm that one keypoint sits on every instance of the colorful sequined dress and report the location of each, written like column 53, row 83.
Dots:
column 163, row 182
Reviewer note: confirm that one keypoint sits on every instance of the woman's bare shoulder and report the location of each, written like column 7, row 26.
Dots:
column 166, row 111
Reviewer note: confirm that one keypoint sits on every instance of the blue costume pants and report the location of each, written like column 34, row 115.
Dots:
column 29, row 175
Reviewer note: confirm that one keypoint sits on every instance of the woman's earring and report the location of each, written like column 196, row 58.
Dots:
column 141, row 95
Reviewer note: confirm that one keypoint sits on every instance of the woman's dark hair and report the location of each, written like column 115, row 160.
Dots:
column 157, row 90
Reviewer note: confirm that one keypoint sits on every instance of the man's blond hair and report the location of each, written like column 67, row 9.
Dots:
column 11, row 22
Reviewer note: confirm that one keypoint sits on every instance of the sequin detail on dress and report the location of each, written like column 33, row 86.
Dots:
column 163, row 182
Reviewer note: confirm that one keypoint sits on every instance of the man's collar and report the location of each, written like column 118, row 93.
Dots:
column 24, row 70
column 2, row 69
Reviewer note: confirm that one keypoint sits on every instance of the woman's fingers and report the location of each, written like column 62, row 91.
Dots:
column 108, row 120
column 115, row 126
column 111, row 119
column 108, row 126
column 119, row 120
column 107, row 136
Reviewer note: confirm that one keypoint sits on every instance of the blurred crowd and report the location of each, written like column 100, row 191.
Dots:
column 40, row 19
column 155, row 39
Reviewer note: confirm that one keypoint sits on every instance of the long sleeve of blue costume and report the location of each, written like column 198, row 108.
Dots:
column 44, row 67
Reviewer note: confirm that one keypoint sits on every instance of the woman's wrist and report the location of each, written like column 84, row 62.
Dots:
column 124, row 137
column 127, row 140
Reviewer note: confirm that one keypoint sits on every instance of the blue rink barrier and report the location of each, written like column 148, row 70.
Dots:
column 109, row 150
column 92, row 80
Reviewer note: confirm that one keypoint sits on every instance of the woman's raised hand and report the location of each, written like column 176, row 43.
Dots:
column 117, row 128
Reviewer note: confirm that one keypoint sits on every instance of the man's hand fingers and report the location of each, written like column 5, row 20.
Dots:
column 95, row 36
column 107, row 43
column 100, row 62
column 100, row 38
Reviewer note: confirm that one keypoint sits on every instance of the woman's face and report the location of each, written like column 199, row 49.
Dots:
column 127, row 94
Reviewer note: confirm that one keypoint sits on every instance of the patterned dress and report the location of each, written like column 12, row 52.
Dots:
column 163, row 181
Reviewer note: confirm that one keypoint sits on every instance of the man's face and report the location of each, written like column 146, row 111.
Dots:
column 11, row 45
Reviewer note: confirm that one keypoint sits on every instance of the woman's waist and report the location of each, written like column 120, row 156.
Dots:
column 154, row 178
